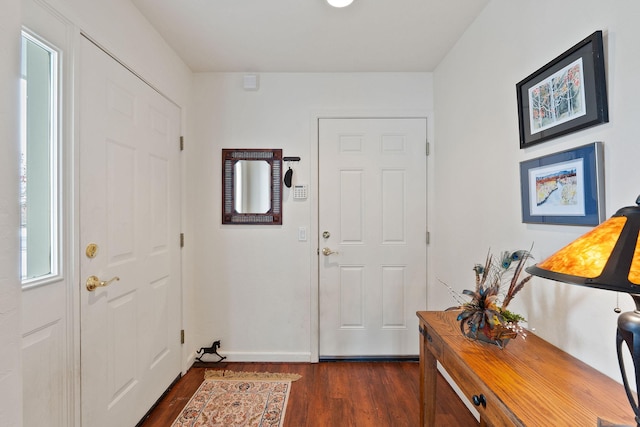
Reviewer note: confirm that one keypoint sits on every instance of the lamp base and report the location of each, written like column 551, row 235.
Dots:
column 628, row 334
column 605, row 423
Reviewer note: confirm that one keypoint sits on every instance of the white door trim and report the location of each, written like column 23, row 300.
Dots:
column 314, row 314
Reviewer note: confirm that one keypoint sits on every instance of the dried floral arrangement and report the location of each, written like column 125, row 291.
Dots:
column 486, row 317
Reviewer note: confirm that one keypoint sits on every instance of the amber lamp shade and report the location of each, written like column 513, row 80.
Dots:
column 607, row 257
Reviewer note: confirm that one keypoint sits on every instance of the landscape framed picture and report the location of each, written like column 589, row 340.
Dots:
column 564, row 188
column 566, row 95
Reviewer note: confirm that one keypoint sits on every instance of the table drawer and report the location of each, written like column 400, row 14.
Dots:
column 485, row 401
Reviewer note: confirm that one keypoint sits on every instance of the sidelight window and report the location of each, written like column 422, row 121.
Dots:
column 39, row 187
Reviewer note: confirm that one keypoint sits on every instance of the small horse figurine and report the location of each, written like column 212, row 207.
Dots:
column 210, row 350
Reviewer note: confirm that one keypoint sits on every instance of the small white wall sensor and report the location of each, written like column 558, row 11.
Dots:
column 250, row 82
column 300, row 192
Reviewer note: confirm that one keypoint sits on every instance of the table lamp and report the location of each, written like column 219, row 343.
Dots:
column 607, row 257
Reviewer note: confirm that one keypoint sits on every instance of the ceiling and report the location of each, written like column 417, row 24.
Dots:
column 310, row 35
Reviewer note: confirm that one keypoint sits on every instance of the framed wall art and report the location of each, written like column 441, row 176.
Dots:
column 564, row 188
column 566, row 95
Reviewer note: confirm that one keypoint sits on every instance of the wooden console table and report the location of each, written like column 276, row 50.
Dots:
column 528, row 383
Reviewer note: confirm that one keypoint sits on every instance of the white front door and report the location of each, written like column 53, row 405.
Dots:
column 372, row 224
column 129, row 239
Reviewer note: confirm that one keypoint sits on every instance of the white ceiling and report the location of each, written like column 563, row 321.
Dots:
column 310, row 35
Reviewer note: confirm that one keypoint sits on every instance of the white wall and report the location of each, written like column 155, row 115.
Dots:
column 254, row 284
column 10, row 366
column 477, row 155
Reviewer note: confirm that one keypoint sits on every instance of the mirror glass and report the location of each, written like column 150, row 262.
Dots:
column 251, row 186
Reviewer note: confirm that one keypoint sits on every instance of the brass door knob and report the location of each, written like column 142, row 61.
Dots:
column 327, row 252
column 94, row 282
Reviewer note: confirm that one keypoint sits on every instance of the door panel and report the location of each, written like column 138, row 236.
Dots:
column 129, row 208
column 372, row 206
column 44, row 360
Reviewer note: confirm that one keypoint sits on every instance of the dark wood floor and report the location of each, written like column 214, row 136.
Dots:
column 359, row 394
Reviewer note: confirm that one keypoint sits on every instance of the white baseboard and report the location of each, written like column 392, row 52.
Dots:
column 242, row 356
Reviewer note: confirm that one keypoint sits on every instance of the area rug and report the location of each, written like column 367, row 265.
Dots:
column 238, row 399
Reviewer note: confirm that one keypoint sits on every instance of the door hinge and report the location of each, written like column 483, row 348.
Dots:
column 428, row 237
column 182, row 336
column 428, row 148
column 182, row 240
column 182, row 143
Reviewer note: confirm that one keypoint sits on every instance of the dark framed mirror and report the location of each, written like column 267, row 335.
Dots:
column 251, row 186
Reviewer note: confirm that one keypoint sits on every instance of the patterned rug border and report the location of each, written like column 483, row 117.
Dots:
column 226, row 374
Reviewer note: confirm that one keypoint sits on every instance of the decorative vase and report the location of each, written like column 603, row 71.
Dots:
column 499, row 335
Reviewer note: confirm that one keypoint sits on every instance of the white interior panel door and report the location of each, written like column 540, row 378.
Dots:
column 129, row 209
column 373, row 223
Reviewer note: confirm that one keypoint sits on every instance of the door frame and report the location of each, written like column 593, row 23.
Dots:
column 314, row 181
